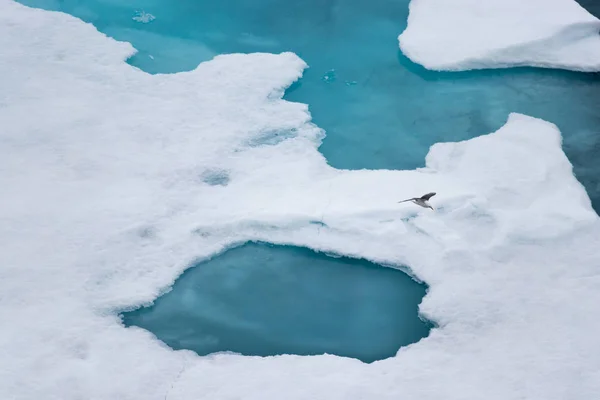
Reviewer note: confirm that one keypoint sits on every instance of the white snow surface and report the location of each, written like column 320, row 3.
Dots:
column 103, row 206
column 476, row 34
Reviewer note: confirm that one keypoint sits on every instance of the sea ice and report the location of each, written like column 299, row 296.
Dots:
column 143, row 17
column 380, row 110
column 474, row 34
column 102, row 208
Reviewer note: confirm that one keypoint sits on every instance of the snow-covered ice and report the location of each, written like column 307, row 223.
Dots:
column 473, row 34
column 105, row 201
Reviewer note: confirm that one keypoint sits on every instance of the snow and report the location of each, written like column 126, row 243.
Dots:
column 474, row 34
column 104, row 204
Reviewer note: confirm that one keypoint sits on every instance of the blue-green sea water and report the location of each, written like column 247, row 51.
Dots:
column 267, row 300
column 380, row 111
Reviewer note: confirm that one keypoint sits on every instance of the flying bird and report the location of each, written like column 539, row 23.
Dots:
column 421, row 201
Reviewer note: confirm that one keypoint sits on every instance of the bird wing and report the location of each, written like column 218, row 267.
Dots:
column 428, row 196
column 404, row 201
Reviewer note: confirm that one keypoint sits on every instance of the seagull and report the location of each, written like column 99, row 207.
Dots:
column 421, row 201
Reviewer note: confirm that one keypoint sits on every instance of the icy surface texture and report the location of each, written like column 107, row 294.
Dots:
column 105, row 203
column 471, row 34
column 380, row 110
column 266, row 300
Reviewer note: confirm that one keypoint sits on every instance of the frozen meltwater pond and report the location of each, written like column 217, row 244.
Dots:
column 267, row 300
column 379, row 110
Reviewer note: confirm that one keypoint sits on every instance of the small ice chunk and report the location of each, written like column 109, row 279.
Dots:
column 329, row 76
column 143, row 17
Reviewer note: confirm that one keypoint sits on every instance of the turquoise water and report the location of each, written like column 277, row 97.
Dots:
column 379, row 109
column 266, row 300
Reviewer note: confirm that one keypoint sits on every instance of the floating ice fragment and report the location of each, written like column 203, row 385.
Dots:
column 143, row 17
column 498, row 34
column 329, row 76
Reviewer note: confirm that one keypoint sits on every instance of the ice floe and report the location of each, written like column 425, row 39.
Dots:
column 114, row 181
column 474, row 34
